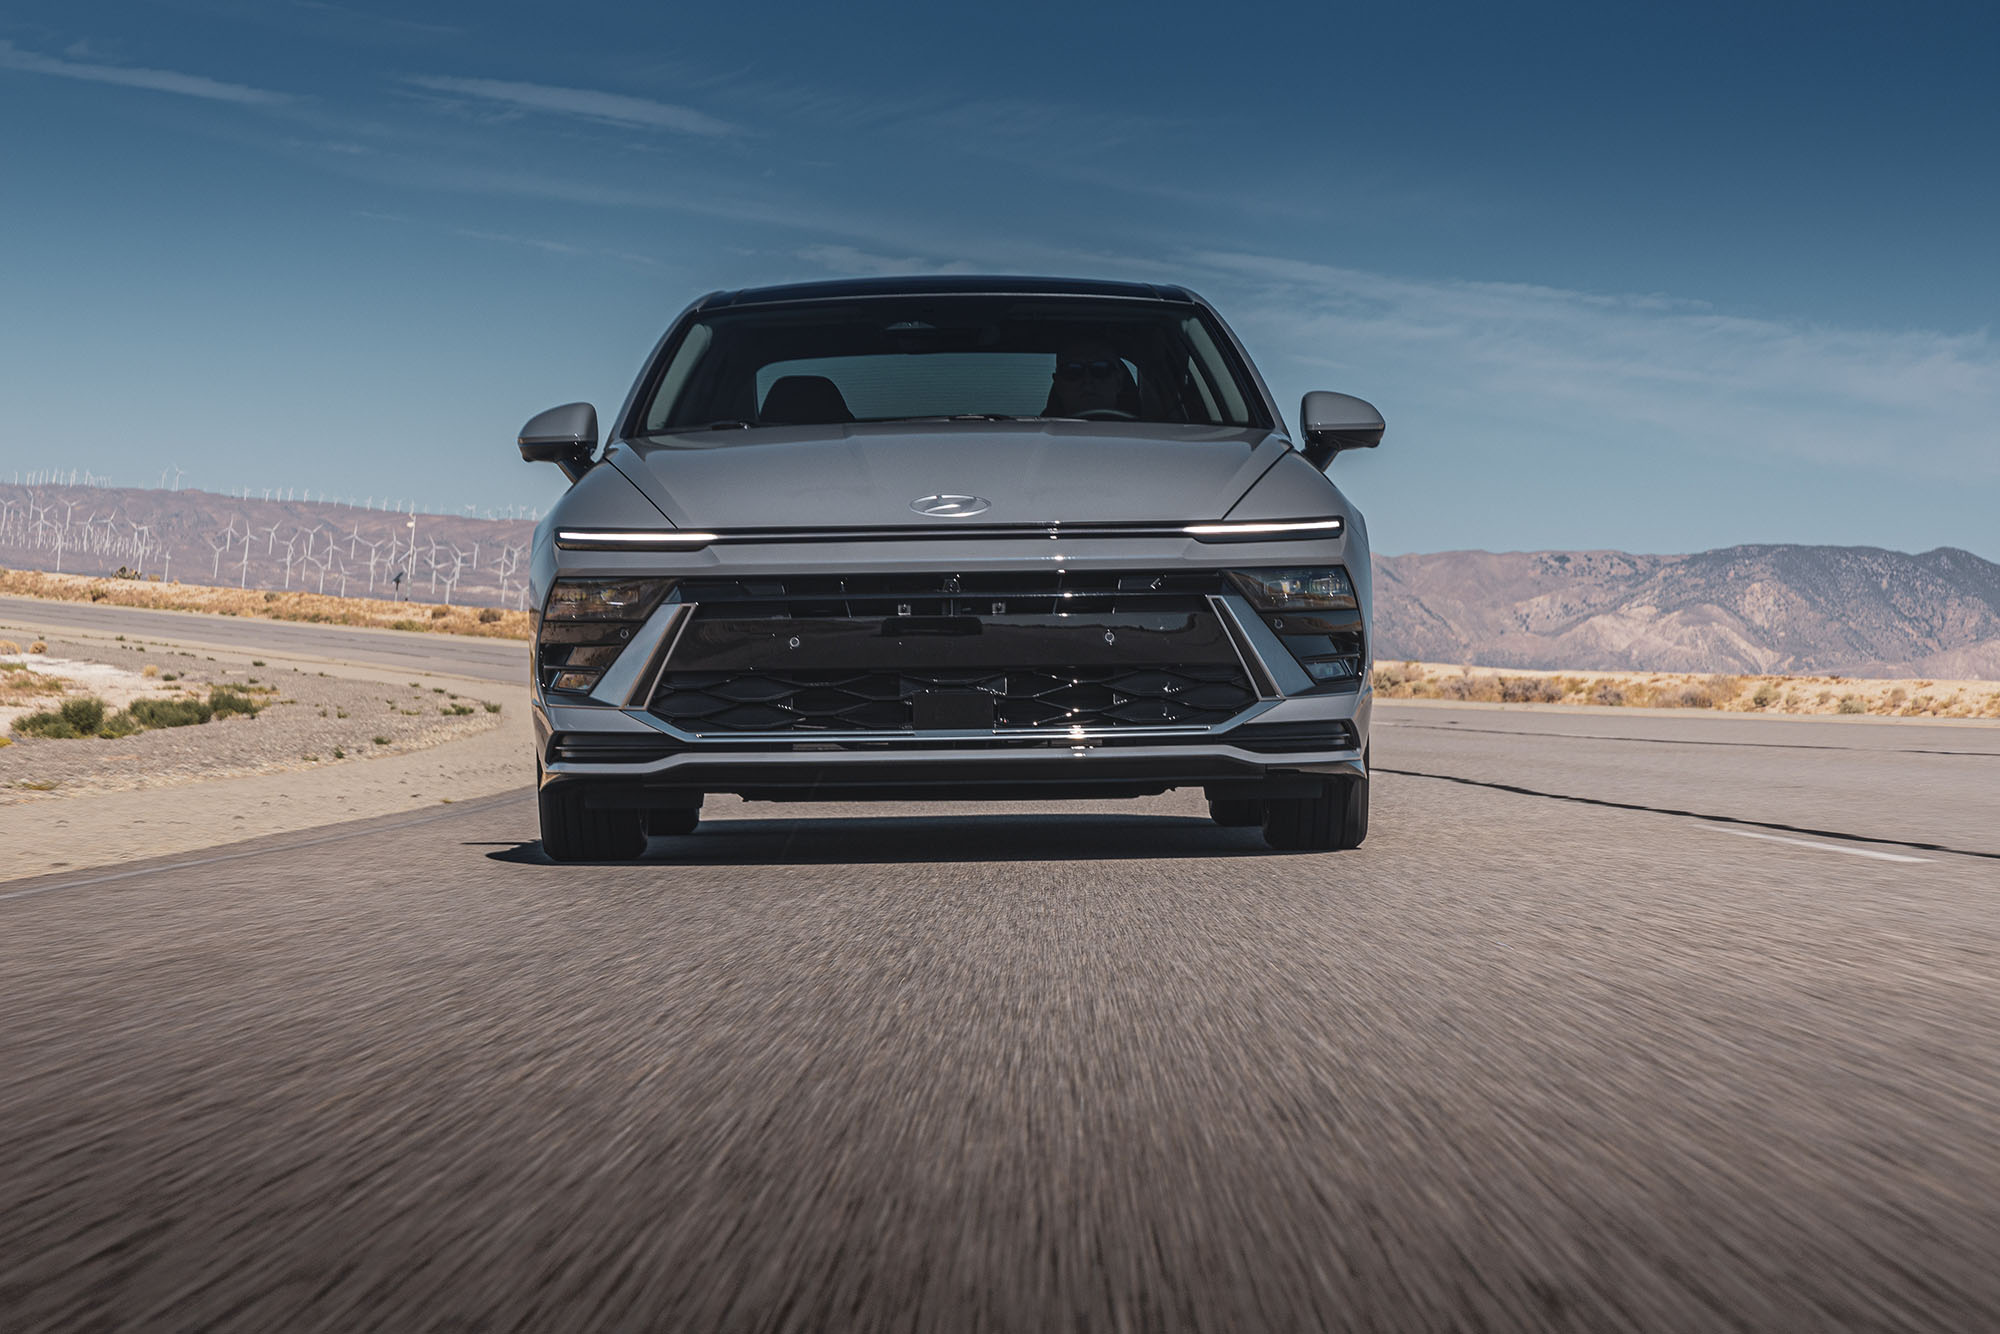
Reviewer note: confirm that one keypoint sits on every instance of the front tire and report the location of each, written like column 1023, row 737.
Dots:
column 673, row 820
column 574, row 832
column 1335, row 818
column 1236, row 813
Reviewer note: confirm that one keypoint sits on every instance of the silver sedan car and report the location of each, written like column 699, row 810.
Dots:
column 950, row 538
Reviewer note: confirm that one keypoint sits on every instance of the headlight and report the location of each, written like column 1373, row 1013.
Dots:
column 587, row 624
column 1295, row 590
column 1315, row 614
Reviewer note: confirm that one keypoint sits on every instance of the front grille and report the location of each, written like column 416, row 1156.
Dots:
column 1007, row 651
column 1003, row 593
column 884, row 701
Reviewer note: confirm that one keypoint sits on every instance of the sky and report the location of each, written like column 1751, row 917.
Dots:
column 1657, row 278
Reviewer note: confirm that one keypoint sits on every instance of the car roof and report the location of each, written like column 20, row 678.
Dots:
column 945, row 285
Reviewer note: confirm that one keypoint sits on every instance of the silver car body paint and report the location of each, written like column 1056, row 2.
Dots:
column 1031, row 496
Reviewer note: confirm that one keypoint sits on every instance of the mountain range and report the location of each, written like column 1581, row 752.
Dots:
column 1858, row 611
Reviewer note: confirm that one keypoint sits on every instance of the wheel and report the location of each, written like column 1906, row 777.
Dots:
column 672, row 820
column 1336, row 818
column 1236, row 813
column 573, row 832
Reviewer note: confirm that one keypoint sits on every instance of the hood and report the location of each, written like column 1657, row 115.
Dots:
column 1028, row 472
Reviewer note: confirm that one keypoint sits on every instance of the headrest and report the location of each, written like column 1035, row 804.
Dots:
column 803, row 400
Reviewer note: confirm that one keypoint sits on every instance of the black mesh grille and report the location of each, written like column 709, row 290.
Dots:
column 882, row 701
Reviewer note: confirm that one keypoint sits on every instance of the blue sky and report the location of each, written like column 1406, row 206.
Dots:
column 1617, row 278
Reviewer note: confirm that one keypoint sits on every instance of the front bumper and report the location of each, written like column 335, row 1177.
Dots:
column 1281, row 734
column 1277, row 748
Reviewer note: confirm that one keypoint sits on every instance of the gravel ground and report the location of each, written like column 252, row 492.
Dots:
column 312, row 718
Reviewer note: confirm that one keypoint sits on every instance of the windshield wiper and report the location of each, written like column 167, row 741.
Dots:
column 949, row 417
column 727, row 425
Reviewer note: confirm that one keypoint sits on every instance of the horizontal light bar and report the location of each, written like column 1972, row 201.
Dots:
column 1277, row 528
column 670, row 538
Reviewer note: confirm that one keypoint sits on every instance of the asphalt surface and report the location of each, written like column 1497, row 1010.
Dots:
column 457, row 655
column 1528, row 1059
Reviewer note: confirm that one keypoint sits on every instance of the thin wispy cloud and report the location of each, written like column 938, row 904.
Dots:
column 849, row 261
column 584, row 103
column 154, row 80
column 1642, row 370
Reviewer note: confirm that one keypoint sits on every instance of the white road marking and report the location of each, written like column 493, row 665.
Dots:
column 1823, row 847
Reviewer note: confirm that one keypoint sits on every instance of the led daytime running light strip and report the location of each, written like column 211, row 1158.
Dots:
column 575, row 537
column 1257, row 529
column 676, row 539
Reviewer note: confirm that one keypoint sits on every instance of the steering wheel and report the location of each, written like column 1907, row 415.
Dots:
column 1105, row 415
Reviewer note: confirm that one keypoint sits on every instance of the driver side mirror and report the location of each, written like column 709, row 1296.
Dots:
column 565, row 436
column 1330, row 422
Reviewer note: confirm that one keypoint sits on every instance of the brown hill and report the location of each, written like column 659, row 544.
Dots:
column 1853, row 610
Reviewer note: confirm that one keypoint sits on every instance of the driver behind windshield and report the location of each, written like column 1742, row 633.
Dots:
column 1090, row 377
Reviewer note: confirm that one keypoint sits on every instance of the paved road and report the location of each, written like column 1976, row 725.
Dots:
column 1519, row 1063
column 456, row 655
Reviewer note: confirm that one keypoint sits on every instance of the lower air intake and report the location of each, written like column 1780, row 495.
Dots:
column 1052, row 698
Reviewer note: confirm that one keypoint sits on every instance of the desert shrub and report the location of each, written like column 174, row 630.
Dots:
column 439, row 613
column 170, row 676
column 1766, row 696
column 339, row 753
column 1694, row 695
column 149, row 670
column 381, row 741
column 38, row 647
column 491, row 707
column 456, row 710
column 85, row 713
column 170, row 712
column 9, row 646
column 47, row 723
column 256, row 662
column 405, row 625
column 225, row 700
column 1607, row 694
column 120, row 724
column 270, row 597
column 1529, row 690
column 488, row 615
column 1851, row 704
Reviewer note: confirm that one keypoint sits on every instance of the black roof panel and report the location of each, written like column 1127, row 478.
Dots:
column 944, row 285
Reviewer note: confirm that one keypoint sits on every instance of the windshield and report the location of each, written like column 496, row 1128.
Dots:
column 992, row 357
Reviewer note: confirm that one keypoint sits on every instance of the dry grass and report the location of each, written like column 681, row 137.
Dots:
column 1688, row 690
column 488, row 622
column 18, row 686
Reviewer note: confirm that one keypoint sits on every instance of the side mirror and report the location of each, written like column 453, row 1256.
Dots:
column 1329, row 423
column 565, row 436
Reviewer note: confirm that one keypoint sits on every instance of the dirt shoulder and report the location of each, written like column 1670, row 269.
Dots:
column 333, row 741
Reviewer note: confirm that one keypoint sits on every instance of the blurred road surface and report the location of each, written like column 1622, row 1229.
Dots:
column 1538, row 1056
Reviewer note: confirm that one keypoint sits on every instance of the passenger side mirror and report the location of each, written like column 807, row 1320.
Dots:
column 565, row 436
column 1329, row 423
